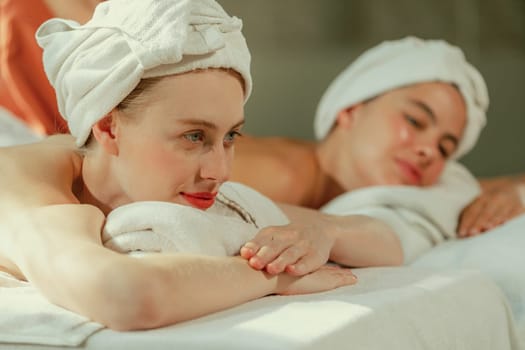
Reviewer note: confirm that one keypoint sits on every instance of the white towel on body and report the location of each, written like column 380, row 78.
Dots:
column 237, row 215
column 421, row 217
column 26, row 317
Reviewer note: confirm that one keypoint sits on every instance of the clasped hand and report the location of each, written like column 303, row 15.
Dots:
column 293, row 248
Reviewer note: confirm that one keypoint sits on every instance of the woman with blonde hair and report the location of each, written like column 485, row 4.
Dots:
column 153, row 93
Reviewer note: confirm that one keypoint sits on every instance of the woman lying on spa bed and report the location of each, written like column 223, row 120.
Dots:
column 500, row 199
column 155, row 114
column 393, row 117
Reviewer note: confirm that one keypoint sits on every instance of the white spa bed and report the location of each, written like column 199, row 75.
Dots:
column 467, row 294
column 391, row 308
column 461, row 295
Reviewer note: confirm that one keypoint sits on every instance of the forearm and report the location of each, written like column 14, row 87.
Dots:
column 358, row 240
column 362, row 241
column 184, row 287
column 127, row 293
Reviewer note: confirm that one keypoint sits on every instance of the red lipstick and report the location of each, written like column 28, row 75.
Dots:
column 200, row 200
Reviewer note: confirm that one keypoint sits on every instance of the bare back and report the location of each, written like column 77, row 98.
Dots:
column 34, row 178
column 283, row 169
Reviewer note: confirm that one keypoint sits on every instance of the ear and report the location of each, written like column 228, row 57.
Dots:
column 346, row 117
column 104, row 131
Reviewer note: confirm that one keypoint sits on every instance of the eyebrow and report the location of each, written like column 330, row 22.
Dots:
column 430, row 113
column 208, row 125
column 426, row 108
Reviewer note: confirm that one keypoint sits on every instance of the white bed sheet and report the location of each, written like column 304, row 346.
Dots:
column 390, row 308
column 498, row 254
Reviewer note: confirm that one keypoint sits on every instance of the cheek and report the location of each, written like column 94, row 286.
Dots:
column 161, row 163
column 401, row 131
column 174, row 164
column 433, row 173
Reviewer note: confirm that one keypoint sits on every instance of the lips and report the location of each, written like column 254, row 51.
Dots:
column 411, row 173
column 201, row 200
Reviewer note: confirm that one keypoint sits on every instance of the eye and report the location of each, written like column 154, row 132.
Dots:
column 194, row 136
column 230, row 137
column 446, row 151
column 443, row 151
column 414, row 121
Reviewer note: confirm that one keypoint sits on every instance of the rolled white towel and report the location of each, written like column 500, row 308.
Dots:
column 237, row 215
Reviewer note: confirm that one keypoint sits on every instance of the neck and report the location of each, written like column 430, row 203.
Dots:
column 327, row 188
column 98, row 187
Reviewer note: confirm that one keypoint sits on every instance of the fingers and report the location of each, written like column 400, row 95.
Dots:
column 271, row 247
column 335, row 277
column 248, row 250
column 323, row 279
column 470, row 216
column 306, row 264
column 288, row 257
column 296, row 250
column 487, row 212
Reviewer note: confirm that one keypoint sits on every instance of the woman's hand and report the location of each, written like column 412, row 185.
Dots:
column 325, row 278
column 501, row 200
column 295, row 248
column 313, row 238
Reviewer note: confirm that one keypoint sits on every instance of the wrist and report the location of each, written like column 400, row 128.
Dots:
column 283, row 282
column 268, row 283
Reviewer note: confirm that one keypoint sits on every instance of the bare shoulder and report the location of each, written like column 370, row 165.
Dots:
column 41, row 173
column 38, row 209
column 284, row 169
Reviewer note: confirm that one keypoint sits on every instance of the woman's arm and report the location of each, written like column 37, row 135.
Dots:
column 57, row 248
column 55, row 243
column 313, row 237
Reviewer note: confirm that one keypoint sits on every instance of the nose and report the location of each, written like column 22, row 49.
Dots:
column 426, row 152
column 216, row 164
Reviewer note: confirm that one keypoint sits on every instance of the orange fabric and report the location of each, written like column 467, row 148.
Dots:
column 24, row 88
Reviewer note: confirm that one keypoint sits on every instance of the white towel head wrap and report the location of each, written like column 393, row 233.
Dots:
column 93, row 67
column 394, row 64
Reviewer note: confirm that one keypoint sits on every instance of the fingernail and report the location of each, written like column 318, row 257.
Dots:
column 249, row 245
column 255, row 263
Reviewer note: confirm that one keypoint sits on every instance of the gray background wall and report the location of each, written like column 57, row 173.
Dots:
column 299, row 46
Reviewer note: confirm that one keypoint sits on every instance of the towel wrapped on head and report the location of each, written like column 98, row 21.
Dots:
column 93, row 67
column 394, row 64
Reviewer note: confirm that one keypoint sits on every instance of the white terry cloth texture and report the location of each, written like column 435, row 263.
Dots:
column 94, row 66
column 398, row 63
column 147, row 227
column 421, row 217
column 26, row 317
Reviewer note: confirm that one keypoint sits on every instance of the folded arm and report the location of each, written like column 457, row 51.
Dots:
column 54, row 242
column 57, row 248
column 314, row 237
